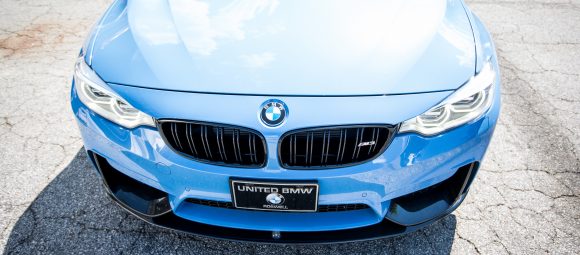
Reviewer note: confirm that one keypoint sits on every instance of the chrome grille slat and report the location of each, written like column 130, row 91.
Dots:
column 323, row 148
column 254, row 148
column 175, row 137
column 327, row 153
column 203, row 135
column 190, row 142
column 356, row 143
column 220, row 143
column 362, row 135
column 294, row 153
column 291, row 149
column 331, row 147
column 374, row 146
column 251, row 149
column 307, row 148
column 236, row 144
column 341, row 146
column 311, row 148
column 215, row 143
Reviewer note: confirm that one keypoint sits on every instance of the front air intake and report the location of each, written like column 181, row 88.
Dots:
column 321, row 208
column 332, row 147
column 217, row 144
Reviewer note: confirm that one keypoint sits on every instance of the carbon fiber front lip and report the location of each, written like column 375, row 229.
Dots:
column 383, row 229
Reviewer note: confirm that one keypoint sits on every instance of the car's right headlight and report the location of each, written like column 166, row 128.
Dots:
column 466, row 104
column 93, row 92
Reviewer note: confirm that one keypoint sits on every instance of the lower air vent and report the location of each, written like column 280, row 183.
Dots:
column 342, row 208
column 321, row 208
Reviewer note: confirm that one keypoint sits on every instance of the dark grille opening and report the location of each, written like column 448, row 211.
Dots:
column 321, row 208
column 342, row 208
column 333, row 146
column 434, row 201
column 215, row 143
column 220, row 204
column 132, row 194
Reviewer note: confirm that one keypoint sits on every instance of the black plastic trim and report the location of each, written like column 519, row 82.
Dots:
column 135, row 196
column 321, row 208
column 435, row 201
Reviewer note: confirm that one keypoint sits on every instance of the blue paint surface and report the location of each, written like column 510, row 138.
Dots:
column 382, row 75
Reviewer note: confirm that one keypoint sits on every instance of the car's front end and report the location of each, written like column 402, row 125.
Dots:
column 275, row 136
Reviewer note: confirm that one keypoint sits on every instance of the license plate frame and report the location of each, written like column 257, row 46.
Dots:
column 296, row 196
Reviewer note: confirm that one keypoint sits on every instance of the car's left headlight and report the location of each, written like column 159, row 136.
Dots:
column 93, row 92
column 466, row 104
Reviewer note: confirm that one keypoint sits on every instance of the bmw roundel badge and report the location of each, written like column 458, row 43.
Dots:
column 273, row 113
column 275, row 199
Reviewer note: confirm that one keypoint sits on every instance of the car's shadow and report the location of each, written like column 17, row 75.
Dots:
column 73, row 215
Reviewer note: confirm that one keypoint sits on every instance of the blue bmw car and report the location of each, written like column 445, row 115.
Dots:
column 287, row 121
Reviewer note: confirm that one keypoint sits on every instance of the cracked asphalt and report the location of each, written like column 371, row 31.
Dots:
column 525, row 200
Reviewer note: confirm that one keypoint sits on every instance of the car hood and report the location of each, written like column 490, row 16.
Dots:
column 298, row 47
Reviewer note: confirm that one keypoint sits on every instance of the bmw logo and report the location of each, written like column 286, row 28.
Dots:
column 273, row 113
column 275, row 198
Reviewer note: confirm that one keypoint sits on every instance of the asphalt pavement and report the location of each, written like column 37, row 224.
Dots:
column 525, row 199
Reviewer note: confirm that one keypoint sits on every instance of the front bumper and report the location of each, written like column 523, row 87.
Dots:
column 152, row 206
column 397, row 186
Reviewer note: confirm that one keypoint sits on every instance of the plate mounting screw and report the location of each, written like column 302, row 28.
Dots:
column 276, row 235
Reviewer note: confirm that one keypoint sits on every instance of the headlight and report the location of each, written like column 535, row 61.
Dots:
column 93, row 93
column 466, row 104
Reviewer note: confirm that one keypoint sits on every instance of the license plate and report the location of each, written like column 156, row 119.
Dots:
column 275, row 196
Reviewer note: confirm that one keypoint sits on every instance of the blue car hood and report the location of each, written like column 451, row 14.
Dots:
column 298, row 47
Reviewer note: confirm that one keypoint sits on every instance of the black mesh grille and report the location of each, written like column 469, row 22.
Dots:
column 330, row 147
column 216, row 143
column 212, row 203
column 321, row 208
column 342, row 208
